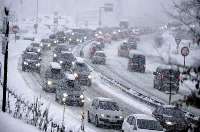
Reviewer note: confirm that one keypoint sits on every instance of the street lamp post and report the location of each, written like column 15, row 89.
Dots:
column 5, row 59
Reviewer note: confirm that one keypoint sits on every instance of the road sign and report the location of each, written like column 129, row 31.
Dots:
column 185, row 51
column 178, row 40
column 108, row 7
column 15, row 29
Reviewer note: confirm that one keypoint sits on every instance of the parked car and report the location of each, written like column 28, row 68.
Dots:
column 141, row 123
column 105, row 111
column 69, row 91
column 31, row 61
column 52, row 76
column 82, row 72
column 166, row 77
column 99, row 58
column 136, row 62
column 171, row 118
column 66, row 58
column 123, row 50
column 57, row 51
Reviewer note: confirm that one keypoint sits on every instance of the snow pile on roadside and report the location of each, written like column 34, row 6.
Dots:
column 168, row 50
column 9, row 124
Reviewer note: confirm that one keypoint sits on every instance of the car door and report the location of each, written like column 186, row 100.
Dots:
column 93, row 109
column 128, row 124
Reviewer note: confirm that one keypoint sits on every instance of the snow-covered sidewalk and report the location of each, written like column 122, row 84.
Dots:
column 9, row 124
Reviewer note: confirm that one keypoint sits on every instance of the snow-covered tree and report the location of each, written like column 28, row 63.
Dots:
column 188, row 13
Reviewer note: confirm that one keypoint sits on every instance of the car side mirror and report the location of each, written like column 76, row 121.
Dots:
column 154, row 73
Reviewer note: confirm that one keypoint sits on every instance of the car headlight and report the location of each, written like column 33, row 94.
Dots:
column 81, row 96
column 65, row 95
column 25, row 63
column 61, row 62
column 77, row 40
column 38, row 64
column 102, row 115
column 81, row 41
column 85, row 37
column 75, row 75
column 169, row 123
column 41, row 44
column 121, row 117
column 64, row 99
column 54, row 55
column 89, row 76
column 70, row 39
column 55, row 41
column 38, row 50
column 49, row 82
column 48, row 45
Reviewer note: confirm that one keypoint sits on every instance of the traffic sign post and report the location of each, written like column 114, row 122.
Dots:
column 185, row 52
column 178, row 41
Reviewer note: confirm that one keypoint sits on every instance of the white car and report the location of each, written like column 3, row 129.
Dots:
column 99, row 58
column 141, row 123
column 105, row 111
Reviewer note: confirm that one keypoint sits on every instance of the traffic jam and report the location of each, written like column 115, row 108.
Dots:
column 67, row 76
column 101, row 73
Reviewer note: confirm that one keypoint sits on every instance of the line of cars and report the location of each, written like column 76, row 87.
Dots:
column 166, row 78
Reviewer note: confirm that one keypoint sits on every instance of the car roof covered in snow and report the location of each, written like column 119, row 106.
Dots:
column 55, row 65
column 30, row 52
column 100, row 51
column 168, row 106
column 70, row 76
column 66, row 52
column 104, row 99
column 134, row 52
column 173, row 67
column 143, row 116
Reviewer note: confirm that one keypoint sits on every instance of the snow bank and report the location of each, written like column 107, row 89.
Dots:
column 9, row 124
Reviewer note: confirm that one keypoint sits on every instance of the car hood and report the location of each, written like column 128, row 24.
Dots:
column 72, row 92
column 111, row 113
column 29, row 60
column 145, row 130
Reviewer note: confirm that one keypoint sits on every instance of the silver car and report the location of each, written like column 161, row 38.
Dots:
column 52, row 76
column 105, row 111
column 99, row 58
column 69, row 91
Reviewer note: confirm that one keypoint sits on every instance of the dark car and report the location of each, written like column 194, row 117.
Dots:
column 31, row 61
column 171, row 118
column 166, row 79
column 34, row 49
column 66, row 59
column 58, row 49
column 136, row 62
column 52, row 76
column 69, row 91
column 81, row 72
column 46, row 43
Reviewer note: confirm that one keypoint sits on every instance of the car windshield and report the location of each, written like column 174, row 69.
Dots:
column 176, row 113
column 138, row 59
column 174, row 74
column 54, row 74
column 68, row 56
column 31, row 56
column 108, row 105
column 100, row 54
column 149, row 125
column 71, row 85
column 82, row 67
column 35, row 44
column 124, row 47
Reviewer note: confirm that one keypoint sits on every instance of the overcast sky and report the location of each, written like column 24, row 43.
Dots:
column 139, row 12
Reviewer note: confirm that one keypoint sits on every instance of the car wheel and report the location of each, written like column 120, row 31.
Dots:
column 88, row 118
column 23, row 68
column 96, row 121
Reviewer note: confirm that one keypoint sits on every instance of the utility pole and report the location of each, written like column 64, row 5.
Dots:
column 100, row 15
column 5, row 59
column 36, row 25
